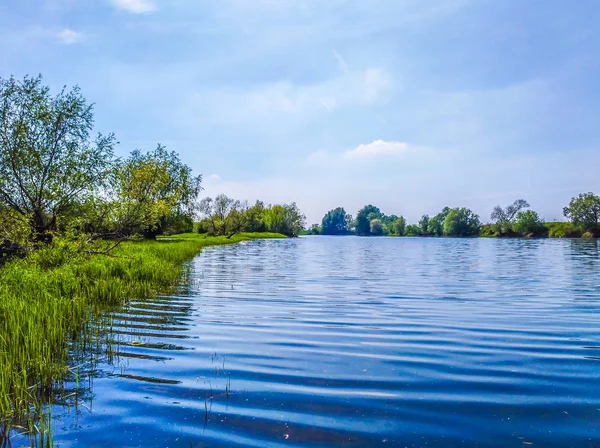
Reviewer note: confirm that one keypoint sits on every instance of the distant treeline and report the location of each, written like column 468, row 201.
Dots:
column 515, row 220
column 57, row 180
column 226, row 216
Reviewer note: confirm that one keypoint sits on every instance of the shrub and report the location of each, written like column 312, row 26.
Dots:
column 528, row 223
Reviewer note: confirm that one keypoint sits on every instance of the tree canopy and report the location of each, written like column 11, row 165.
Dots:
column 504, row 218
column 461, row 222
column 48, row 160
column 364, row 217
column 336, row 222
column 584, row 210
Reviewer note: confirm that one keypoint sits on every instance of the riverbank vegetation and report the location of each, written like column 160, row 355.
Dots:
column 46, row 297
column 514, row 220
column 80, row 230
column 226, row 216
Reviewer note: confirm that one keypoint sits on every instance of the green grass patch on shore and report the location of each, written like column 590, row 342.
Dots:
column 46, row 298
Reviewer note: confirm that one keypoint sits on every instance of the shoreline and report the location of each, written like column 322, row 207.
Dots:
column 47, row 297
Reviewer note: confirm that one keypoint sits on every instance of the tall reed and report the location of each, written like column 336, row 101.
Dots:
column 47, row 298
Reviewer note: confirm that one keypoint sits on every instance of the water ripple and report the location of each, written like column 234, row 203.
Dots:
column 358, row 342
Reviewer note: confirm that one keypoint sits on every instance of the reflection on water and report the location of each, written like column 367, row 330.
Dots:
column 354, row 342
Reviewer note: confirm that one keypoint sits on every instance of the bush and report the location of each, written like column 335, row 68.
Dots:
column 461, row 222
column 528, row 223
column 412, row 230
column 563, row 230
column 376, row 227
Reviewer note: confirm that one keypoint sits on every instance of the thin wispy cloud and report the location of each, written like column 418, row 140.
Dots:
column 379, row 148
column 135, row 6
column 341, row 61
column 69, row 36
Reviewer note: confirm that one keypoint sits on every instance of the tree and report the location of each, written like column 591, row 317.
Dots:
column 435, row 225
column 461, row 222
column 336, row 222
column 376, row 227
column 412, row 230
column 504, row 218
column 315, row 229
column 285, row 219
column 48, row 161
column 424, row 224
column 364, row 217
column 584, row 211
column 224, row 215
column 153, row 191
column 255, row 218
column 400, row 226
column 528, row 223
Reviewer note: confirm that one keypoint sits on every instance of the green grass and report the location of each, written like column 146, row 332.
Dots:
column 46, row 299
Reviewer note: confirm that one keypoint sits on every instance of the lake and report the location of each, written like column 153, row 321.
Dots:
column 348, row 341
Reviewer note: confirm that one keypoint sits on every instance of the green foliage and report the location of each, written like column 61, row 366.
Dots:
column 564, row 230
column 48, row 161
column 504, row 218
column 528, row 223
column 46, row 297
column 461, row 222
column 435, row 226
column 336, row 222
column 399, row 226
column 364, row 217
column 153, row 191
column 376, row 227
column 315, row 229
column 488, row 230
column 584, row 211
column 15, row 234
column 424, row 224
column 412, row 230
column 285, row 219
column 255, row 218
column 224, row 215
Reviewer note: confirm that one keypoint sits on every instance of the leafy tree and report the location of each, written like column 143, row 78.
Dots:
column 15, row 234
column 255, row 218
column 435, row 226
column 285, row 219
column 364, row 217
column 503, row 218
column 224, row 215
column 412, row 230
column 153, row 191
column 376, row 227
column 315, row 229
column 336, row 222
column 48, row 161
column 584, row 211
column 528, row 223
column 424, row 224
column 461, row 222
column 399, row 226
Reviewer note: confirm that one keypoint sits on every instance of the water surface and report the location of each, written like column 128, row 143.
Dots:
column 347, row 341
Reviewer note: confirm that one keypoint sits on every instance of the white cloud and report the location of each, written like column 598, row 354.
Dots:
column 69, row 37
column 135, row 6
column 284, row 104
column 378, row 148
column 213, row 178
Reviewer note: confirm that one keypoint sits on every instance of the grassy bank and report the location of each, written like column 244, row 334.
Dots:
column 47, row 297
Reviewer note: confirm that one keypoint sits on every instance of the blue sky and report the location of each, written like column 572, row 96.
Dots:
column 410, row 105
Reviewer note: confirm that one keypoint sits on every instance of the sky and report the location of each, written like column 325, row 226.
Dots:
column 409, row 105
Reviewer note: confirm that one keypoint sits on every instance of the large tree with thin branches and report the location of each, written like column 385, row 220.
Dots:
column 48, row 160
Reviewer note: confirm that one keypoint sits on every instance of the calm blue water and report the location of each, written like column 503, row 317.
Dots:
column 347, row 341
